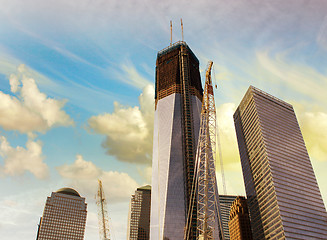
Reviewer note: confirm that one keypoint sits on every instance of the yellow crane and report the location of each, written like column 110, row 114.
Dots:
column 102, row 214
column 204, row 190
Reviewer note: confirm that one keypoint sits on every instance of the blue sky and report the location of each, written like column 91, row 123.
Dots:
column 76, row 91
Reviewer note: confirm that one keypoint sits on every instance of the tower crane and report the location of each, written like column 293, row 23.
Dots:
column 204, row 189
column 102, row 214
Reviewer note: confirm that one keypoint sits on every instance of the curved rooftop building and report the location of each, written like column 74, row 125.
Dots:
column 64, row 216
column 68, row 191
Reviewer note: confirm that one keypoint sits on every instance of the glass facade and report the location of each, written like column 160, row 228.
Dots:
column 239, row 222
column 139, row 214
column 178, row 99
column 64, row 216
column 225, row 202
column 283, row 195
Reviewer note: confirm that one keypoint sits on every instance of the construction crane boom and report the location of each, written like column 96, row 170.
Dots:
column 102, row 214
column 204, row 189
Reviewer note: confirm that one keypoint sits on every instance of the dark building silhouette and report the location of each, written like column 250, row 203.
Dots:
column 239, row 221
column 225, row 202
column 282, row 191
column 139, row 214
column 64, row 216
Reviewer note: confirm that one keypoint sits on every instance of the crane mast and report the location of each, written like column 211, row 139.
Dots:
column 204, row 189
column 102, row 214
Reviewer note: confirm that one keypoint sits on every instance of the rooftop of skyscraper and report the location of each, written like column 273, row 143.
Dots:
column 68, row 191
column 175, row 46
column 147, row 188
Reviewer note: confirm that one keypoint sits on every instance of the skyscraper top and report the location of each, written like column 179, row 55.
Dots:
column 283, row 195
column 68, row 191
column 147, row 188
column 174, row 46
column 139, row 214
column 253, row 91
column 64, row 216
column 169, row 71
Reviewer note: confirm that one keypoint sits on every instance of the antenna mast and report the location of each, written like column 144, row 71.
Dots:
column 182, row 30
column 171, row 33
column 102, row 214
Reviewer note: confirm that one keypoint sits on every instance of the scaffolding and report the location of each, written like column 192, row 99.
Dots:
column 188, row 141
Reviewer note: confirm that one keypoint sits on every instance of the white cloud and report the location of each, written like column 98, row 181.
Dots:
column 146, row 174
column 128, row 74
column 227, row 133
column 295, row 78
column 21, row 209
column 30, row 110
column 19, row 160
column 233, row 180
column 81, row 169
column 128, row 130
column 314, row 130
column 84, row 175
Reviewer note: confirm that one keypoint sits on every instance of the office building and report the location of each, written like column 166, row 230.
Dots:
column 239, row 221
column 178, row 99
column 283, row 196
column 64, row 216
column 139, row 214
column 225, row 202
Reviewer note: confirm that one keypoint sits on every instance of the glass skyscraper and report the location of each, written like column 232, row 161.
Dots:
column 282, row 192
column 225, row 202
column 139, row 214
column 239, row 221
column 64, row 216
column 178, row 100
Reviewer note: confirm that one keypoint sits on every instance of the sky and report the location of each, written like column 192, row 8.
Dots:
column 77, row 92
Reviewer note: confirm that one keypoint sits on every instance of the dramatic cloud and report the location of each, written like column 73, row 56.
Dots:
column 19, row 160
column 322, row 34
column 146, row 174
column 238, row 15
column 22, row 210
column 30, row 110
column 233, row 180
column 296, row 79
column 130, row 75
column 314, row 130
column 84, row 175
column 227, row 133
column 128, row 130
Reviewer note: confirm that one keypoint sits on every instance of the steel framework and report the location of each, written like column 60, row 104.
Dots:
column 206, row 174
column 204, row 190
column 102, row 214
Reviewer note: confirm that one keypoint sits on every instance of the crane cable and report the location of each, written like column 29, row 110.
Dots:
column 219, row 145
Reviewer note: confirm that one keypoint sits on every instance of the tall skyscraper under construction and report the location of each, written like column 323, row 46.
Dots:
column 283, row 195
column 64, row 216
column 178, row 99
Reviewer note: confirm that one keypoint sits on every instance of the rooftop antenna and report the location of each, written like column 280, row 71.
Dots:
column 171, row 33
column 182, row 30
